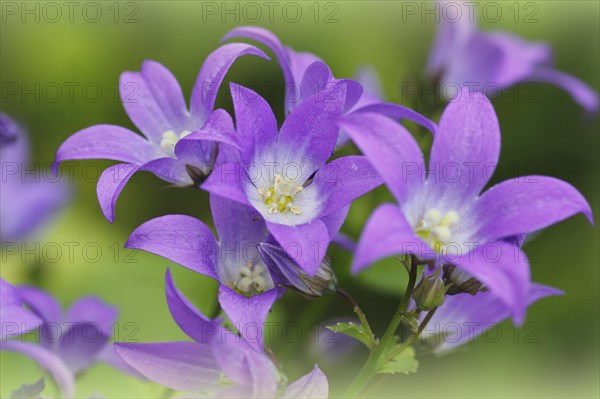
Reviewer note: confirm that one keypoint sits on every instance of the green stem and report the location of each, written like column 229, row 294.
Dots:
column 370, row 367
column 361, row 315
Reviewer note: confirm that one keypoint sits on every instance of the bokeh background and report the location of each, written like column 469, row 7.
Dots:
column 546, row 133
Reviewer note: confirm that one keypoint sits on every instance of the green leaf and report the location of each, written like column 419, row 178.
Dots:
column 29, row 391
column 353, row 330
column 403, row 361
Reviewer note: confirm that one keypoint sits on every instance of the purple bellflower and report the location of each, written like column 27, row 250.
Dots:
column 442, row 216
column 242, row 257
column 283, row 173
column 69, row 343
column 462, row 54
column 220, row 363
column 154, row 102
column 27, row 201
column 463, row 317
column 305, row 74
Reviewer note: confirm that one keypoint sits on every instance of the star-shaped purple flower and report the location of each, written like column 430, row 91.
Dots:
column 154, row 102
column 443, row 215
column 462, row 54
column 305, row 74
column 220, row 363
column 284, row 174
column 69, row 343
column 27, row 201
column 243, row 256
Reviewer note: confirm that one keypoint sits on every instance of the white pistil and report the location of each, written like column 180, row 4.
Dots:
column 436, row 228
column 251, row 278
column 170, row 139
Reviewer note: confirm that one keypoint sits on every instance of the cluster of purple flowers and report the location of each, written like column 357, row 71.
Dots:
column 279, row 196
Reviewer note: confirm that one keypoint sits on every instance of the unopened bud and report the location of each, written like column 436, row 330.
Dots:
column 461, row 281
column 287, row 273
column 430, row 292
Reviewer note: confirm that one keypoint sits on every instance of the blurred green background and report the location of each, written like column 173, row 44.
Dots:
column 547, row 136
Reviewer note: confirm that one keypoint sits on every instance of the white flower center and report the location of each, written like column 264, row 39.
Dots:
column 279, row 198
column 250, row 279
column 436, row 229
column 170, row 139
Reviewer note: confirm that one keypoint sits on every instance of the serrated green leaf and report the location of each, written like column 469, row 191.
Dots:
column 353, row 330
column 404, row 362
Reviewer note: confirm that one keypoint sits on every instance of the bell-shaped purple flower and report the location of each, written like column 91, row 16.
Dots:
column 70, row 342
column 464, row 55
column 27, row 200
column 243, row 256
column 442, row 215
column 284, row 173
column 154, row 102
column 220, row 362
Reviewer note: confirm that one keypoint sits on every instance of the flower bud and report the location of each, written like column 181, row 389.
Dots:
column 430, row 292
column 286, row 272
column 461, row 281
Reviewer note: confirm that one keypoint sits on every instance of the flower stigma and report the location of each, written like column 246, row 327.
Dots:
column 170, row 139
column 436, row 228
column 250, row 279
column 280, row 196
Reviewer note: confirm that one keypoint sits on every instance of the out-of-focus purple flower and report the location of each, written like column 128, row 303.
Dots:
column 242, row 257
column 154, row 102
column 462, row 318
column 27, row 201
column 462, row 54
column 69, row 343
column 14, row 318
column 305, row 74
column 283, row 173
column 442, row 215
column 220, row 363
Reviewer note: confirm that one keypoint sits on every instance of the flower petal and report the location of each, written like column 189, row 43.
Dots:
column 463, row 317
column 305, row 243
column 191, row 321
column 106, row 142
column 153, row 100
column 41, row 303
column 179, row 238
column 526, row 204
column 466, row 147
column 310, row 131
column 249, row 228
column 80, row 344
column 390, row 148
column 16, row 320
column 213, row 72
column 182, row 366
column 49, row 361
column 345, row 179
column 111, row 183
column 397, row 111
column 386, row 233
column 248, row 315
column 284, row 58
column 583, row 94
column 503, row 269
column 93, row 310
column 256, row 126
column 313, row 385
